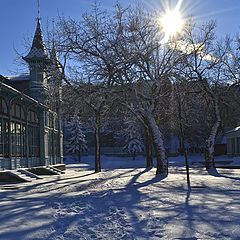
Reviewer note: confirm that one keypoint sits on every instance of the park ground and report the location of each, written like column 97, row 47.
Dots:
column 124, row 201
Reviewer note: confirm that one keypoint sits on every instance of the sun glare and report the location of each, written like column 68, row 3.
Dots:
column 171, row 22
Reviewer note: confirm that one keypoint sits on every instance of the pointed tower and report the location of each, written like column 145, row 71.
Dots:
column 38, row 61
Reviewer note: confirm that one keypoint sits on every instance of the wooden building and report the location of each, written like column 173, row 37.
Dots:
column 30, row 111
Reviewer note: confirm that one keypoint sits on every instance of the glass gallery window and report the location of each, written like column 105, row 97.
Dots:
column 18, row 131
column 33, row 134
column 4, row 150
column 53, row 135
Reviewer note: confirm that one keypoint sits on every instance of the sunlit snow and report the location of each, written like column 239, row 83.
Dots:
column 124, row 201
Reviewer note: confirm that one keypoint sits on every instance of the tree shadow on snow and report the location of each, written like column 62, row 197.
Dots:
column 214, row 172
column 142, row 209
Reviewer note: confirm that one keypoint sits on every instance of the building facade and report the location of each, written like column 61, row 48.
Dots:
column 233, row 141
column 30, row 111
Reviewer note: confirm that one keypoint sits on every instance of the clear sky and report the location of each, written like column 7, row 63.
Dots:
column 18, row 18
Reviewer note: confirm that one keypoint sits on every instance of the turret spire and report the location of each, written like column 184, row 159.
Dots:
column 38, row 61
column 38, row 9
column 38, row 49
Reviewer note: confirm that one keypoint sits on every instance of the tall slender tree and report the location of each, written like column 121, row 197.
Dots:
column 76, row 143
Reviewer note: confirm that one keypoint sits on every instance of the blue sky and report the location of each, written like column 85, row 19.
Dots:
column 18, row 19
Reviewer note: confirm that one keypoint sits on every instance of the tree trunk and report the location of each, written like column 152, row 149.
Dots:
column 79, row 156
column 148, row 148
column 182, row 139
column 134, row 155
column 97, row 144
column 187, row 165
column 185, row 155
column 209, row 154
column 162, row 163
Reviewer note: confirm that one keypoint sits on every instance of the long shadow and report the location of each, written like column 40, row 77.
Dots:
column 134, row 198
column 190, row 214
column 118, row 209
column 35, row 185
column 214, row 172
column 66, row 183
column 33, row 205
column 155, row 179
column 127, row 198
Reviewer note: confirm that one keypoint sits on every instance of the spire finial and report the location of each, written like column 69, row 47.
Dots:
column 38, row 17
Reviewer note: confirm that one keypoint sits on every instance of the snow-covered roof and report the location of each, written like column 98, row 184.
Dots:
column 24, row 95
column 233, row 130
column 20, row 77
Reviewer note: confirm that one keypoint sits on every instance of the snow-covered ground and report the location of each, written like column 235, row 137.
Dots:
column 124, row 201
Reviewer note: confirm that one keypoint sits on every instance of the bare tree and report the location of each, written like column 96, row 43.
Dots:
column 91, row 101
column 124, row 49
column 204, row 65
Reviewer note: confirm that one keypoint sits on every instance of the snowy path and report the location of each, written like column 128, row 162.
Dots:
column 126, row 203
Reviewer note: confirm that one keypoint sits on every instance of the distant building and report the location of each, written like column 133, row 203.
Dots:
column 30, row 111
column 233, row 141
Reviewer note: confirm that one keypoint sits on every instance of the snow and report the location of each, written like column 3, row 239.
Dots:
column 233, row 130
column 124, row 201
column 21, row 77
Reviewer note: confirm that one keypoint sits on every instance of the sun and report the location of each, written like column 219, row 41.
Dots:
column 171, row 22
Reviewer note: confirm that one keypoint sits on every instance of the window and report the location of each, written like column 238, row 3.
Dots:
column 32, row 117
column 17, row 136
column 1, row 139
column 14, row 134
column 17, row 111
column 51, row 120
column 17, row 131
column 57, row 144
column 46, row 119
column 4, row 149
column 33, row 134
column 3, row 106
column 238, row 145
column 57, row 123
column 33, row 141
column 50, row 145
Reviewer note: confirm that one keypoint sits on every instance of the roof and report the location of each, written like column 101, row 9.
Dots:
column 24, row 95
column 38, row 49
column 20, row 77
column 233, row 130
